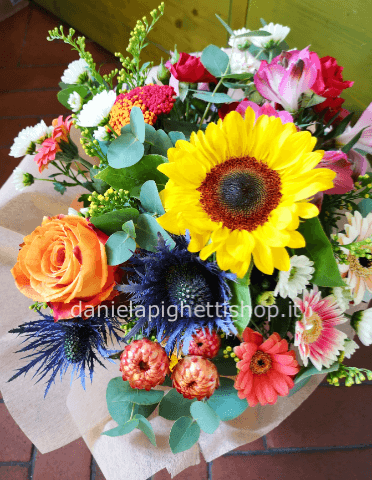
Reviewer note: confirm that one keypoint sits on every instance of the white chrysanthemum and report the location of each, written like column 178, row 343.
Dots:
column 362, row 324
column 294, row 281
column 357, row 272
column 22, row 144
column 21, row 179
column 71, row 211
column 74, row 70
column 343, row 297
column 100, row 134
column 96, row 109
column 242, row 62
column 75, row 101
column 278, row 34
column 241, row 42
column 350, row 347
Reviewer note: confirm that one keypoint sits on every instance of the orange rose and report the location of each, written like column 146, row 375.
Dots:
column 64, row 263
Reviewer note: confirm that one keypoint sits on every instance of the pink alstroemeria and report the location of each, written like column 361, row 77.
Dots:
column 287, row 77
column 266, row 109
column 359, row 164
column 365, row 141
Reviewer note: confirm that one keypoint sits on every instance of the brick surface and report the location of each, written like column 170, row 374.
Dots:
column 362, row 358
column 30, row 78
column 12, row 33
column 17, row 104
column 14, row 445
column 197, row 472
column 13, row 473
column 330, row 416
column 341, row 465
column 71, row 462
column 250, row 447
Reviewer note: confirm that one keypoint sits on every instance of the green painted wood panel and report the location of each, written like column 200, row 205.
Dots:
column 339, row 28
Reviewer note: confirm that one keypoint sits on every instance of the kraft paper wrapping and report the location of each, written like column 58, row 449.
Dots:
column 68, row 412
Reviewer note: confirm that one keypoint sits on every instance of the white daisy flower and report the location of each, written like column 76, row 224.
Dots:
column 71, row 211
column 24, row 143
column 75, row 101
column 21, row 179
column 278, row 34
column 241, row 42
column 100, row 134
column 242, row 62
column 343, row 297
column 74, row 70
column 362, row 323
column 294, row 281
column 350, row 347
column 96, row 109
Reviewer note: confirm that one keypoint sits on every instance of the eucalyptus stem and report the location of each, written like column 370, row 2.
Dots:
column 209, row 104
column 131, row 415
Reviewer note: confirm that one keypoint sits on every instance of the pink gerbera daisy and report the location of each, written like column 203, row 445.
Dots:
column 316, row 337
column 46, row 153
column 266, row 368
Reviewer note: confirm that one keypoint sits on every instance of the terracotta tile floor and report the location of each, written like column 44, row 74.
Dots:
column 329, row 437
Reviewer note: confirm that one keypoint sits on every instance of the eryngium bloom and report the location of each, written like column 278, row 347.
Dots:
column 176, row 294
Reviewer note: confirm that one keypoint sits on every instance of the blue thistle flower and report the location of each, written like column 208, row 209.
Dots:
column 57, row 346
column 179, row 280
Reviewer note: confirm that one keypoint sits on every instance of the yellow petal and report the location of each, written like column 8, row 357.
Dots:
column 307, row 210
column 281, row 259
column 296, row 240
column 263, row 258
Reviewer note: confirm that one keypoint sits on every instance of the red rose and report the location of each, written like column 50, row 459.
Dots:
column 330, row 84
column 190, row 69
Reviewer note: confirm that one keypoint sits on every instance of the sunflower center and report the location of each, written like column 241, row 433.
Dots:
column 188, row 289
column 241, row 193
column 314, row 327
column 260, row 363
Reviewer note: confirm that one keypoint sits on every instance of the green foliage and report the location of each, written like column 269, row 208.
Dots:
column 346, row 148
column 147, row 230
column 146, row 428
column 225, row 401
column 174, row 405
column 127, row 427
column 119, row 248
column 125, row 151
column 184, row 434
column 365, row 206
column 174, row 136
column 215, row 60
column 59, row 187
column 225, row 366
column 120, row 392
column 137, row 124
column 64, row 94
column 161, row 143
column 205, row 416
column 319, row 250
column 112, row 222
column 213, row 97
column 310, row 370
column 150, row 200
column 241, row 302
column 298, row 386
column 286, row 316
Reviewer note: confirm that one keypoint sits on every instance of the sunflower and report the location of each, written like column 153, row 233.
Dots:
column 240, row 188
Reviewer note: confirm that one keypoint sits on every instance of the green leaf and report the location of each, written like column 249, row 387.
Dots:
column 99, row 185
column 161, row 143
column 133, row 177
column 185, row 127
column 112, row 222
column 254, row 33
column 64, row 95
column 137, row 124
column 353, row 141
column 215, row 60
column 310, row 370
column 183, row 89
column 258, row 53
column 228, row 28
column 140, row 397
column 225, row 401
column 263, row 23
column 104, row 146
column 120, row 412
column 225, row 366
column 365, row 206
column 59, row 187
column 174, row 136
column 125, row 151
column 234, row 85
column 119, row 248
column 184, row 434
column 150, row 199
column 145, row 410
column 205, row 416
column 311, row 100
column 298, row 386
column 129, row 228
column 239, row 76
column 147, row 233
column 241, row 300
column 150, row 133
column 174, row 405
column 122, row 429
column 216, row 98
column 281, row 315
column 319, row 250
column 146, row 428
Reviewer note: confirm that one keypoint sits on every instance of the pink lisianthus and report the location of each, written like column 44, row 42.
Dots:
column 61, row 129
column 365, row 141
column 266, row 109
column 287, row 77
column 46, row 153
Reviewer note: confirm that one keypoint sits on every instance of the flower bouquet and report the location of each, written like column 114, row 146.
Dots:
column 224, row 231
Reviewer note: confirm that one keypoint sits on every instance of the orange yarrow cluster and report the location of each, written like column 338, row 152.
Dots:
column 153, row 100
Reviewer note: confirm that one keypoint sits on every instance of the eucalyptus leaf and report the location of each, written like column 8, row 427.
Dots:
column 64, row 94
column 150, row 199
column 174, row 405
column 239, row 76
column 174, row 136
column 99, row 185
column 59, row 187
column 122, row 429
column 215, row 61
column 112, row 222
column 161, row 143
column 234, row 85
column 228, row 28
column 205, row 416
column 150, row 133
column 183, row 127
column 119, row 248
column 225, row 401
column 125, row 151
column 147, row 230
column 255, row 33
column 298, row 386
column 365, row 206
column 310, row 370
column 104, row 146
column 129, row 228
column 183, row 88
column 146, row 427
column 119, row 412
column 241, row 302
column 184, row 434
column 213, row 98
column 140, row 397
column 137, row 124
